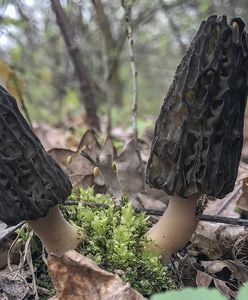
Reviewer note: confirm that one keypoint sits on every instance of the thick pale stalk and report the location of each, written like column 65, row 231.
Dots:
column 175, row 227
column 56, row 233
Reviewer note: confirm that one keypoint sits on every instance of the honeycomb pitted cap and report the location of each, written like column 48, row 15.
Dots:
column 31, row 182
column 198, row 135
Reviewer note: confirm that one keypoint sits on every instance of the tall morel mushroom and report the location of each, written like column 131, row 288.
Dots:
column 31, row 182
column 198, row 135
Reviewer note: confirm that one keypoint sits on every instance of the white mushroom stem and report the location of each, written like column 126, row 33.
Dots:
column 175, row 227
column 56, row 233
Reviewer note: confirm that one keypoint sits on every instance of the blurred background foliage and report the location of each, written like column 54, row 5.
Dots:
column 31, row 44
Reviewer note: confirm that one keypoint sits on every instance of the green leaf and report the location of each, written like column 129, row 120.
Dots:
column 191, row 294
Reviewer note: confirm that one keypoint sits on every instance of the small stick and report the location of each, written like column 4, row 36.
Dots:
column 127, row 7
column 129, row 32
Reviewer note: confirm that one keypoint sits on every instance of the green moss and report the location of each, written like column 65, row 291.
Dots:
column 115, row 239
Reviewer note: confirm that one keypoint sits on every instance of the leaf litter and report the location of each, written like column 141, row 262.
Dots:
column 217, row 254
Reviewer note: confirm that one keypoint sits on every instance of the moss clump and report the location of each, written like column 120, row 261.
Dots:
column 115, row 240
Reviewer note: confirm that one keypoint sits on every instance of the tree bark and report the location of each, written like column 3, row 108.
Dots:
column 79, row 66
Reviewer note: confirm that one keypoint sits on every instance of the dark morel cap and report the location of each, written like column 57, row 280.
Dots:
column 198, row 135
column 31, row 182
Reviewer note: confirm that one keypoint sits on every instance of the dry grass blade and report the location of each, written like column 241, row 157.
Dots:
column 240, row 250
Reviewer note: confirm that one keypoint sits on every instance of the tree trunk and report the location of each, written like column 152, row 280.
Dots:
column 111, row 51
column 77, row 60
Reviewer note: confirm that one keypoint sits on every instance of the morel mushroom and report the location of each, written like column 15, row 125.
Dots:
column 31, row 182
column 198, row 135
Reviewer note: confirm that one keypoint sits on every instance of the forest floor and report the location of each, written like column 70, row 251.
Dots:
column 216, row 256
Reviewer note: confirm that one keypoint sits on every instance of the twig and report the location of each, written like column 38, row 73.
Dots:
column 127, row 7
column 31, row 267
column 13, row 244
column 155, row 212
column 44, row 290
column 24, row 257
column 224, row 220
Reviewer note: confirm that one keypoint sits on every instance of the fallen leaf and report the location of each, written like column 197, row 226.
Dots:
column 203, row 279
column 77, row 277
column 54, row 137
column 73, row 162
column 230, row 268
column 224, row 289
column 131, row 178
column 14, row 289
column 217, row 240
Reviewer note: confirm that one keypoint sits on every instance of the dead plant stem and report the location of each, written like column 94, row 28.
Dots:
column 127, row 7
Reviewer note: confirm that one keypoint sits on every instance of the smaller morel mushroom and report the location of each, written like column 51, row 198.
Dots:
column 198, row 136
column 32, row 185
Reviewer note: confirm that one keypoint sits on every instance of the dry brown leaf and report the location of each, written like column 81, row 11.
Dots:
column 14, row 289
column 215, row 240
column 79, row 278
column 89, row 144
column 203, row 279
column 74, row 164
column 54, row 137
column 131, row 179
column 153, row 199
column 224, row 289
column 108, row 148
column 110, row 176
column 221, row 275
column 234, row 269
column 78, row 181
column 126, row 178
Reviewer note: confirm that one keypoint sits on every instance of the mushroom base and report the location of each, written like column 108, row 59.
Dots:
column 174, row 228
column 56, row 233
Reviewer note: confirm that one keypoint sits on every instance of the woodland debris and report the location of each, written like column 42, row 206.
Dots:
column 124, row 178
column 77, row 277
column 217, row 241
column 15, row 289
